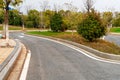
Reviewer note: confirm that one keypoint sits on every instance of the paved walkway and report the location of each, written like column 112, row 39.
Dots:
column 5, row 51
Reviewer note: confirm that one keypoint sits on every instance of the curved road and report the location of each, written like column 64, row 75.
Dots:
column 53, row 61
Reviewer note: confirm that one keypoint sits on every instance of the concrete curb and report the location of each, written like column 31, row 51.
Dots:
column 6, row 66
column 25, row 67
column 88, row 49
column 115, row 33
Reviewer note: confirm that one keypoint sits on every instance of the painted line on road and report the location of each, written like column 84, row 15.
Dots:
column 25, row 67
column 21, row 36
column 81, row 51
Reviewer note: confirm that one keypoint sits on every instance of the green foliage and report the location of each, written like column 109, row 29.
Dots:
column 71, row 19
column 48, row 33
column 15, row 18
column 46, row 18
column 116, row 20
column 1, row 4
column 91, row 27
column 33, row 19
column 1, row 16
column 1, row 27
column 29, row 24
column 56, row 23
column 107, row 18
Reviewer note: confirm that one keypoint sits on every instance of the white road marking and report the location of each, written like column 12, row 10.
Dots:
column 21, row 36
column 25, row 67
column 78, row 49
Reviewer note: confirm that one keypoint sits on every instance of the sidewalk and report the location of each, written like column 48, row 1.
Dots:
column 5, row 51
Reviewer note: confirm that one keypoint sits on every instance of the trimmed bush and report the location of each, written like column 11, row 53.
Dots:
column 91, row 27
column 56, row 23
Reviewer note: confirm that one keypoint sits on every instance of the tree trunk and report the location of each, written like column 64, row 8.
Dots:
column 6, row 25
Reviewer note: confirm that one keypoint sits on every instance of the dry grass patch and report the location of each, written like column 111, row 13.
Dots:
column 100, row 45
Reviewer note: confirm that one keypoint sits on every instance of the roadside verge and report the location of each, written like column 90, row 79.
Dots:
column 20, row 68
column 6, row 66
column 88, row 49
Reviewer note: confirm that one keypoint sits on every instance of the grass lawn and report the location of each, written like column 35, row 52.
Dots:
column 115, row 29
column 100, row 45
column 1, row 28
column 17, row 28
column 12, row 28
column 49, row 33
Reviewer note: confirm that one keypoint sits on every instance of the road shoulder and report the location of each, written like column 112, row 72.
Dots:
column 18, row 66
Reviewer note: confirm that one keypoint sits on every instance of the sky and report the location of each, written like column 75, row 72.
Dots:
column 99, row 5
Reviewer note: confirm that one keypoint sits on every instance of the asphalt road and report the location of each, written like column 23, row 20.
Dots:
column 113, row 38
column 53, row 61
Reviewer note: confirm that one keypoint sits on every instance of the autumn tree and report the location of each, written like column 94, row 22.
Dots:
column 107, row 18
column 71, row 16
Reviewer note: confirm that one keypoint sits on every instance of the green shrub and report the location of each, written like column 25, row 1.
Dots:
column 91, row 27
column 56, row 23
column 116, row 22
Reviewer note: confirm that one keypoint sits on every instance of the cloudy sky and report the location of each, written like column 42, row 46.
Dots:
column 100, row 5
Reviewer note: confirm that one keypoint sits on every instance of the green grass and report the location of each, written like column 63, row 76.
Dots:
column 115, row 29
column 1, row 28
column 12, row 28
column 98, row 45
column 15, row 28
column 48, row 33
column 18, row 28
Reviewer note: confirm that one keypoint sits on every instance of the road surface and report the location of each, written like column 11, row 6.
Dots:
column 113, row 38
column 53, row 61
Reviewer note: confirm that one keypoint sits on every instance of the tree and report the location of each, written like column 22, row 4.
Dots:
column 28, row 8
column 88, row 5
column 15, row 18
column 72, row 16
column 44, row 6
column 1, row 16
column 5, row 5
column 56, row 22
column 107, row 18
column 116, row 20
column 47, row 15
column 33, row 19
column 91, row 27
column 71, row 20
